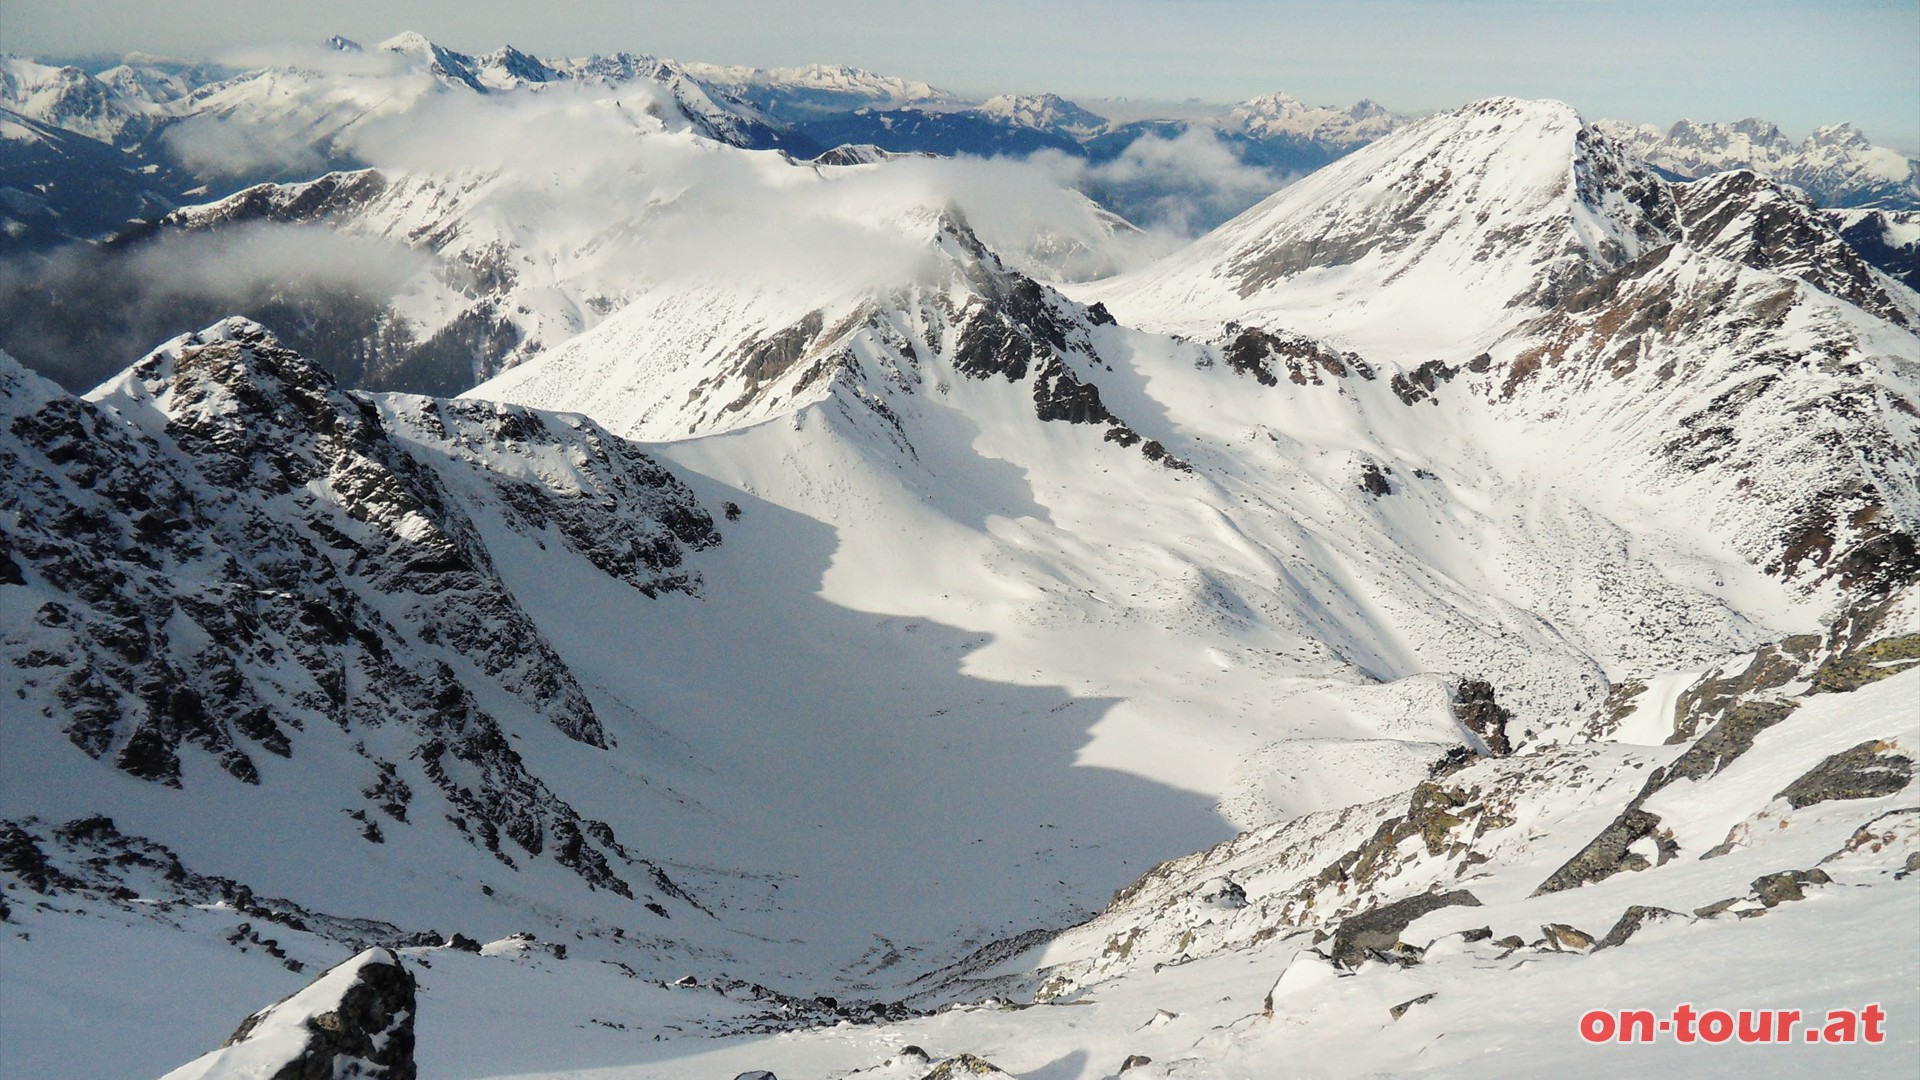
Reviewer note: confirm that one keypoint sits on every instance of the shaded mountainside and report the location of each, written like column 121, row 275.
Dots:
column 57, row 186
column 222, row 557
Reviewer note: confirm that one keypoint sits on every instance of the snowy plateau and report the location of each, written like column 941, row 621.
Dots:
column 675, row 570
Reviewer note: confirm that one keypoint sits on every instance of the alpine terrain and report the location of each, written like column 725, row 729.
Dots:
column 690, row 570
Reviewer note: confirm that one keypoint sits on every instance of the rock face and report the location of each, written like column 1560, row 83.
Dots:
column 356, row 1020
column 1378, row 931
column 1866, row 771
column 1764, row 224
column 1478, row 712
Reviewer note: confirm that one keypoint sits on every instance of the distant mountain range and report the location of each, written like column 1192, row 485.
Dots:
column 301, row 117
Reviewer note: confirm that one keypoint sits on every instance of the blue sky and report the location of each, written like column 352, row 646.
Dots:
column 1798, row 62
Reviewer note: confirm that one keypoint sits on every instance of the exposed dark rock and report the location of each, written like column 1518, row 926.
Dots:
column 963, row 1065
column 1455, row 759
column 1622, row 701
column 1718, row 748
column 1858, row 667
column 1716, row 695
column 1264, row 354
column 1866, row 771
column 1423, row 382
column 1564, row 938
column 1630, row 923
column 364, row 1028
column 231, row 511
column 1605, row 855
column 1768, row 225
column 1375, row 932
column 1400, row 1010
column 1374, row 481
column 1883, row 239
column 1477, row 710
column 1787, row 885
column 1717, row 908
column 463, row 943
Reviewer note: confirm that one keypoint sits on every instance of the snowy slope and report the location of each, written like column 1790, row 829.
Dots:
column 1429, row 239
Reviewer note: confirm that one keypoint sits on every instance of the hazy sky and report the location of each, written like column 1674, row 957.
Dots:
column 1800, row 63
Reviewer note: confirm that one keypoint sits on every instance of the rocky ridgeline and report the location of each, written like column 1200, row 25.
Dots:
column 1342, row 887
column 986, row 320
column 229, row 555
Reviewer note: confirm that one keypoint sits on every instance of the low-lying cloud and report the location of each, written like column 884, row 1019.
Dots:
column 1184, row 185
column 80, row 314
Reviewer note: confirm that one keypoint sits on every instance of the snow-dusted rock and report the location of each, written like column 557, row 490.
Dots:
column 356, row 1020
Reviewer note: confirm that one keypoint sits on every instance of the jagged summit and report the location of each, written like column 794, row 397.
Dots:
column 1836, row 164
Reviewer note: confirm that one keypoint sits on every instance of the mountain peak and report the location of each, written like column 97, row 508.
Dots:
column 1047, row 112
column 408, row 41
column 1502, row 205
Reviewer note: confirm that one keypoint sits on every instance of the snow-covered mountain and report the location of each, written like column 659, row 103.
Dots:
column 1484, row 532
column 1281, row 116
column 1889, row 239
column 1435, row 238
column 1836, row 164
column 73, row 100
column 57, row 186
column 1047, row 112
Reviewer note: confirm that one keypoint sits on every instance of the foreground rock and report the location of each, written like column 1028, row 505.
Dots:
column 354, row 1021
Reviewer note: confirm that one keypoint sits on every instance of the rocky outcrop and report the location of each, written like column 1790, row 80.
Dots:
column 1631, row 922
column 1264, row 355
column 961, row 1066
column 1474, row 706
column 1377, row 932
column 1606, row 854
column 357, row 1019
column 1787, row 886
column 1866, row 771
